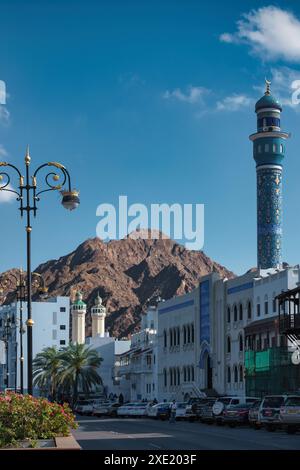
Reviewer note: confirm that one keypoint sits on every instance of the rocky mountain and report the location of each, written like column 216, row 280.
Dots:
column 127, row 273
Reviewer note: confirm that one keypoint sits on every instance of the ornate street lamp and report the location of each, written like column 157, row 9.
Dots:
column 28, row 196
column 18, row 281
column 5, row 338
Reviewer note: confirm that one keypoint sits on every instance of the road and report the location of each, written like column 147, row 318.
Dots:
column 147, row 434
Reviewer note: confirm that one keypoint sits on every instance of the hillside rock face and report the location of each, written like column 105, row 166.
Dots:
column 126, row 273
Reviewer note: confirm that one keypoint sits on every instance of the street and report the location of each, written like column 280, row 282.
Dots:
column 147, row 434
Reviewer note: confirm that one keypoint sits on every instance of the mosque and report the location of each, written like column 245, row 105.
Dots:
column 223, row 337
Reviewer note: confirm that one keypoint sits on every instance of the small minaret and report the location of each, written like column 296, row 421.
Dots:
column 78, row 310
column 98, row 318
column 268, row 153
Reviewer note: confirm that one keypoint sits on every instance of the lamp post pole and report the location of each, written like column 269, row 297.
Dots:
column 28, row 196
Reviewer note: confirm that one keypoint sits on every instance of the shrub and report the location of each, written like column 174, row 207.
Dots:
column 25, row 418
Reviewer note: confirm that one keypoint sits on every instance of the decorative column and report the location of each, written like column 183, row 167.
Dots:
column 78, row 310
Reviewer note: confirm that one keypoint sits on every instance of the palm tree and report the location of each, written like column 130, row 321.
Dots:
column 79, row 364
column 46, row 370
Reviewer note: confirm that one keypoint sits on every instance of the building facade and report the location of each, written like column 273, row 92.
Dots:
column 51, row 328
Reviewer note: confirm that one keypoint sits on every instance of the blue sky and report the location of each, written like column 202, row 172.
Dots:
column 150, row 99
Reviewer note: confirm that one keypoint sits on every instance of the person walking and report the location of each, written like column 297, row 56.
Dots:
column 173, row 408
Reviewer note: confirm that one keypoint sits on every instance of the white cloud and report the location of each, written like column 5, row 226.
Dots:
column 192, row 95
column 270, row 32
column 6, row 196
column 3, row 152
column 4, row 115
column 234, row 102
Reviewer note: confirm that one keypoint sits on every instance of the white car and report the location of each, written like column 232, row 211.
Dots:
column 152, row 411
column 84, row 407
column 223, row 402
column 101, row 408
column 181, row 410
column 132, row 409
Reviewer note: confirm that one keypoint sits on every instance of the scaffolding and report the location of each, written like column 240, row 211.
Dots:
column 270, row 372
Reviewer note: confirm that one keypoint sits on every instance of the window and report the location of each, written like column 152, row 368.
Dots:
column 165, row 378
column 178, row 376
column 178, row 336
column 171, row 338
column 274, row 303
column 274, row 148
column 228, row 345
column 165, row 339
column 188, row 334
column 193, row 333
column 62, row 327
column 258, row 310
column 228, row 375
column 193, row 373
column 228, row 314
column 62, row 341
column 266, row 307
column 249, row 310
column 241, row 312
column 281, row 148
column 235, row 374
column 235, row 313
column 184, row 374
column 259, row 148
column 171, row 377
column 184, row 335
column 266, row 147
column 54, row 334
column 241, row 343
column 62, row 309
column 241, row 373
column 188, row 374
column 54, row 318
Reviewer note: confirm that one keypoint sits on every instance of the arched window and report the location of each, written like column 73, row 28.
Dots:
column 266, row 305
column 193, row 333
column 235, row 374
column 228, row 315
column 188, row 374
column 165, row 339
column 193, row 373
column 228, row 345
column 171, row 377
column 235, row 316
column 165, row 378
column 178, row 336
column 184, row 335
column 241, row 312
column 274, row 148
column 178, row 376
column 249, row 310
column 274, row 302
column 184, row 374
column 258, row 306
column 266, row 147
column 281, row 148
column 241, row 343
column 228, row 375
column 259, row 148
column 188, row 334
column 241, row 373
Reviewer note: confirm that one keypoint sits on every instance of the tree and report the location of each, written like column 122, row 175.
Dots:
column 79, row 364
column 47, row 369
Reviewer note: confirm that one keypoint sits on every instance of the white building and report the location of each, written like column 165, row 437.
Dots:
column 138, row 369
column 51, row 328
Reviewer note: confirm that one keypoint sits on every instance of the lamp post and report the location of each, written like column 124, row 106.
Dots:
column 19, row 281
column 28, row 195
column 5, row 338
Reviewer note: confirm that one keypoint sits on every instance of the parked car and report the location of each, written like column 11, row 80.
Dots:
column 289, row 414
column 181, row 410
column 100, row 408
column 113, row 409
column 153, row 411
column 132, row 409
column 269, row 410
column 253, row 416
column 223, row 402
column 163, row 411
column 84, row 407
column 206, row 412
column 194, row 406
column 235, row 415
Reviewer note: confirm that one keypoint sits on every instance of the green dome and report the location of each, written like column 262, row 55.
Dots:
column 78, row 299
column 267, row 101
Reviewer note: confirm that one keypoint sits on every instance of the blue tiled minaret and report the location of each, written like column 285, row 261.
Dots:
column 268, row 153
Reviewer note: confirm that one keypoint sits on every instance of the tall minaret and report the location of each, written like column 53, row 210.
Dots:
column 78, row 310
column 98, row 318
column 268, row 152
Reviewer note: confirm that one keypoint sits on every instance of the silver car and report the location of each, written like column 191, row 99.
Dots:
column 269, row 411
column 289, row 414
